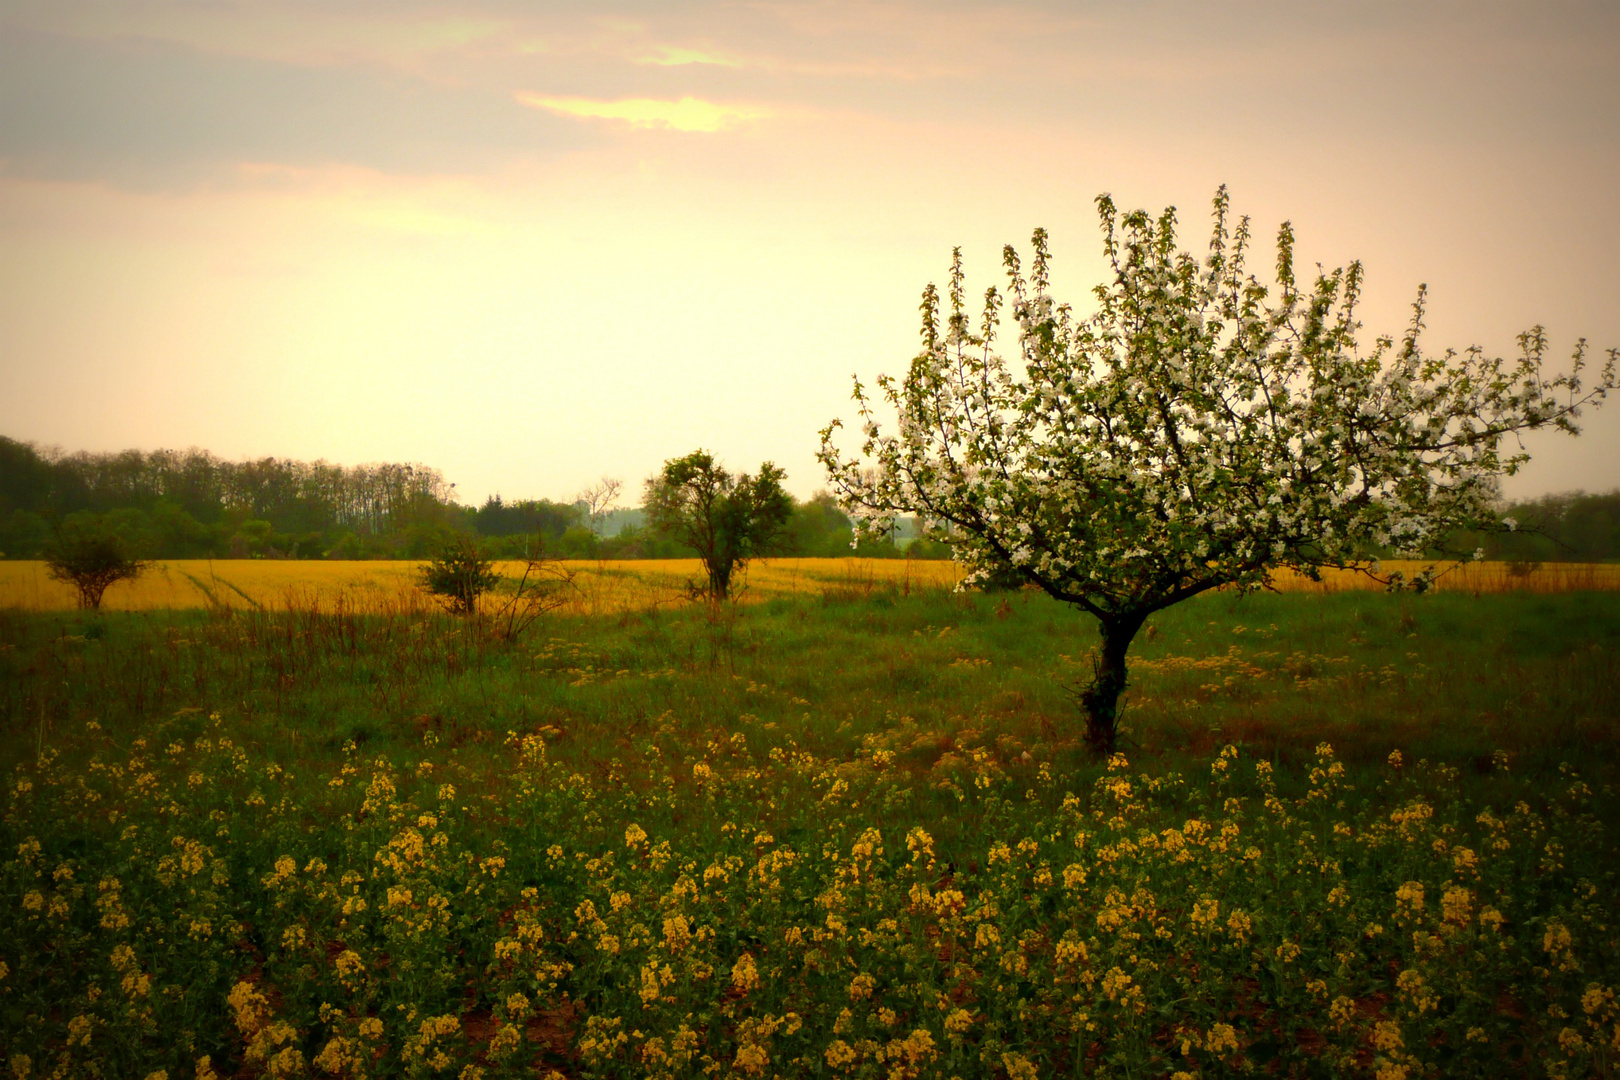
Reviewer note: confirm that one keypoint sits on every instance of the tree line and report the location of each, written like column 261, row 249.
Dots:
column 192, row 504
column 1572, row 527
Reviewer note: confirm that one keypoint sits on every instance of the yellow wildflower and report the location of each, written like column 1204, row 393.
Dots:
column 1559, row 945
column 840, row 1055
column 1410, row 983
column 1018, row 1066
column 1205, row 912
column 677, row 933
column 1070, row 951
column 249, row 1007
column 653, row 981
column 506, row 1040
column 744, row 975
column 1456, row 906
column 1222, row 1038
column 111, row 905
column 286, row 867
column 338, row 1055
column 349, row 965
column 1409, row 899
column 751, row 1058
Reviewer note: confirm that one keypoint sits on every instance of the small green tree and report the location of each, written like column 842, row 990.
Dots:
column 91, row 559
column 726, row 519
column 458, row 574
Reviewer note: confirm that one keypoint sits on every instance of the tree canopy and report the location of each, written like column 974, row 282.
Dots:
column 91, row 560
column 726, row 519
column 1200, row 429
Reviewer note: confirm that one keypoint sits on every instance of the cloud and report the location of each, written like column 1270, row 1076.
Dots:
column 671, row 56
column 687, row 114
column 140, row 114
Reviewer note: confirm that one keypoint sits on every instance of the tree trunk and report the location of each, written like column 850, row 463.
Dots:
column 719, row 580
column 1101, row 697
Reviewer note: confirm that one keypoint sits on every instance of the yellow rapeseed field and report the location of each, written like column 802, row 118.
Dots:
column 391, row 586
column 600, row 587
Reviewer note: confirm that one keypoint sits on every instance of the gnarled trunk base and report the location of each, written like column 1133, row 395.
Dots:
column 1100, row 699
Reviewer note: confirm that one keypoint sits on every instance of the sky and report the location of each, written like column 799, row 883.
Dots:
column 534, row 244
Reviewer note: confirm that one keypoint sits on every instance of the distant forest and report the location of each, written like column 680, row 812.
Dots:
column 192, row 505
column 1572, row 527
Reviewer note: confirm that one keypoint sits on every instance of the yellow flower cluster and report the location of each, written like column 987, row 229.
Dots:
column 1145, row 918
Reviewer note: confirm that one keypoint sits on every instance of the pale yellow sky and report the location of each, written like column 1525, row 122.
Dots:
column 535, row 244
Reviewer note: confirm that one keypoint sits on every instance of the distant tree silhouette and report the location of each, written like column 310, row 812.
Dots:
column 598, row 501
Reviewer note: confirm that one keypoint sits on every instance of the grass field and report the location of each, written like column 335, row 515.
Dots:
column 601, row 587
column 845, row 830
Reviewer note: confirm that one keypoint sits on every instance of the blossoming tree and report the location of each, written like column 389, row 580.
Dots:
column 1200, row 429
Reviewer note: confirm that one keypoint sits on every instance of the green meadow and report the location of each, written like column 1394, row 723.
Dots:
column 853, row 834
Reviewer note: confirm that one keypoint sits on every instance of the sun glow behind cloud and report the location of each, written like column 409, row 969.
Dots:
column 686, row 114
